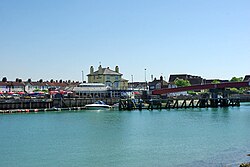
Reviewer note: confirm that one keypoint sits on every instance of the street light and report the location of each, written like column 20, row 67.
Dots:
column 132, row 77
column 145, row 78
column 82, row 76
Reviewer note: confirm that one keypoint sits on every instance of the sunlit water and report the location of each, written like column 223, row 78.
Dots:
column 191, row 137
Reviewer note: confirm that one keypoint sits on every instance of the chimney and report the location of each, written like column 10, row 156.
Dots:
column 161, row 78
column 117, row 69
column 91, row 70
column 100, row 69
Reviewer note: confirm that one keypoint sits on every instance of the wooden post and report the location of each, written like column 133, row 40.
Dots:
column 184, row 104
column 120, row 105
column 140, row 104
column 176, row 104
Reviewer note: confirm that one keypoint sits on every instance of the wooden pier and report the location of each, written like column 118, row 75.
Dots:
column 132, row 104
column 43, row 105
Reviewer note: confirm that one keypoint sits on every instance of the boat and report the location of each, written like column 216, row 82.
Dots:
column 98, row 105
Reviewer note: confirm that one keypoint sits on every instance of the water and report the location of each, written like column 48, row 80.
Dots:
column 191, row 137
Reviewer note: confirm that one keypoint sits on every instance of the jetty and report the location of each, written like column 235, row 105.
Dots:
column 45, row 105
column 172, row 103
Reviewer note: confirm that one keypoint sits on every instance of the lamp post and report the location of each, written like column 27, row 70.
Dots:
column 82, row 76
column 132, row 85
column 145, row 78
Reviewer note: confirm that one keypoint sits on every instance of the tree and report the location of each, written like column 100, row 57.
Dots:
column 37, row 90
column 237, row 90
column 29, row 80
column 216, row 81
column 181, row 82
column 41, row 80
column 235, row 79
column 4, row 79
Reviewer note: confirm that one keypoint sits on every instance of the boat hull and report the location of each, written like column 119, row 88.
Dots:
column 97, row 107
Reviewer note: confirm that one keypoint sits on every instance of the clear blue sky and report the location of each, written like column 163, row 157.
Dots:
column 60, row 38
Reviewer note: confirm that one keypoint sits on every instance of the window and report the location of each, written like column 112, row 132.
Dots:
column 152, row 87
column 158, row 86
column 116, row 84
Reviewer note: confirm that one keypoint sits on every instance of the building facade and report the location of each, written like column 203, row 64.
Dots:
column 108, row 77
column 12, row 86
column 247, row 78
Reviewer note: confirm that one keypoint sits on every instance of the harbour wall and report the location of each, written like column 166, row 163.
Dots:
column 51, row 103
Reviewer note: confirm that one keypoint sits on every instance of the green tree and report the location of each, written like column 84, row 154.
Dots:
column 237, row 90
column 235, row 79
column 45, row 91
column 181, row 82
column 37, row 90
column 216, row 81
column 234, row 90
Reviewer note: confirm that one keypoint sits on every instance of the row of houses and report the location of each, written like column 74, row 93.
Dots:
column 13, row 86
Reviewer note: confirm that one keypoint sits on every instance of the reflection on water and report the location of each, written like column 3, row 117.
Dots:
column 184, row 137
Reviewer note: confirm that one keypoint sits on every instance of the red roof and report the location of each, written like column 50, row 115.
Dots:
column 11, row 83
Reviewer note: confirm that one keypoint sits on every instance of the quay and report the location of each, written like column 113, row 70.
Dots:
column 45, row 105
column 73, row 104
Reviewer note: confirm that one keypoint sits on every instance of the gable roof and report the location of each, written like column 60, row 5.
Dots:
column 10, row 83
column 105, row 71
column 247, row 78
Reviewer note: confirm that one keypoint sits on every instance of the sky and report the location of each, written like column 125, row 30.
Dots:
column 61, row 39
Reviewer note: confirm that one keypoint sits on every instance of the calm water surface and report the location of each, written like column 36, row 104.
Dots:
column 191, row 137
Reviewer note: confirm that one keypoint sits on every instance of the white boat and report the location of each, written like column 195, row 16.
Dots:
column 99, row 105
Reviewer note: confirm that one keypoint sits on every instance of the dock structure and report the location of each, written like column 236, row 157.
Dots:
column 55, row 104
column 43, row 105
column 151, row 104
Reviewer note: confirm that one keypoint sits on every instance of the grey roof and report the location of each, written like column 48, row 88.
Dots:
column 90, row 89
column 124, row 79
column 105, row 71
column 247, row 78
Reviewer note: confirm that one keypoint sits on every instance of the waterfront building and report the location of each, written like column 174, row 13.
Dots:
column 247, row 78
column 138, row 86
column 161, row 84
column 157, row 84
column 194, row 80
column 91, row 90
column 33, row 86
column 3, row 87
column 11, row 86
column 55, row 85
column 111, row 78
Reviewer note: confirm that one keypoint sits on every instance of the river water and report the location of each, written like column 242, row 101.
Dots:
column 183, row 137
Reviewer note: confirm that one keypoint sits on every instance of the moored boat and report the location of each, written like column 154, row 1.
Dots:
column 99, row 105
